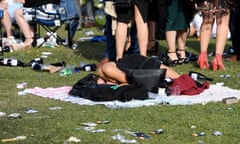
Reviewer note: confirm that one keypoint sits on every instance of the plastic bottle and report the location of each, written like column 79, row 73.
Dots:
column 89, row 67
column 69, row 70
column 11, row 62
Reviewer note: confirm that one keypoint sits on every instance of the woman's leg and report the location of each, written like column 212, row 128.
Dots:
column 221, row 38
column 181, row 40
column 111, row 73
column 24, row 26
column 171, row 43
column 121, row 35
column 142, row 32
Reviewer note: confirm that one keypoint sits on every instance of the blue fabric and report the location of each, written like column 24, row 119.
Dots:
column 70, row 10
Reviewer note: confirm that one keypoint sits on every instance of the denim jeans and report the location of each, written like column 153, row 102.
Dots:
column 70, row 15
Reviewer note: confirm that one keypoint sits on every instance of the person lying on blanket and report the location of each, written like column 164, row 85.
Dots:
column 115, row 73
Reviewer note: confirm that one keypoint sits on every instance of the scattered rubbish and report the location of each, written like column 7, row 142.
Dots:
column 22, row 85
column 73, row 139
column 139, row 135
column 122, row 139
column 225, row 76
column 220, row 83
column 193, row 127
column 103, row 122
column 230, row 100
column 30, row 111
column 46, row 53
column 230, row 108
column 89, row 124
column 198, row 134
column 2, row 114
column 21, row 93
column 158, row 131
column 13, row 62
column 200, row 142
column 55, row 108
column 98, row 131
column 14, row 116
column 87, row 128
column 14, row 139
column 217, row 133
column 93, row 39
column 89, row 32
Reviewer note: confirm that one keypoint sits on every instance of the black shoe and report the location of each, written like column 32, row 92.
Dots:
column 167, row 61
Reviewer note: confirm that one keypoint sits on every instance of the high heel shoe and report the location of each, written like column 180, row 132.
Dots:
column 198, row 76
column 203, row 60
column 217, row 63
column 182, row 59
column 165, row 58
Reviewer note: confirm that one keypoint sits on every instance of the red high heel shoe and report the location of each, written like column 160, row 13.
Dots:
column 203, row 60
column 217, row 63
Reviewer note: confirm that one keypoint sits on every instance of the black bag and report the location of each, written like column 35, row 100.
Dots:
column 89, row 89
column 149, row 78
column 123, row 3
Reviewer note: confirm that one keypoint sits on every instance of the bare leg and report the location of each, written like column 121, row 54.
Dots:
column 171, row 43
column 121, row 34
column 151, row 29
column 142, row 32
column 6, row 22
column 181, row 40
column 205, row 34
column 170, row 73
column 110, row 72
column 222, row 32
column 24, row 26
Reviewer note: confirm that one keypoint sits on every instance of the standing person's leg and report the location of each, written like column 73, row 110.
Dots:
column 181, row 40
column 205, row 35
column 90, row 13
column 221, row 38
column 121, row 34
column 7, row 23
column 142, row 31
column 171, row 44
column 79, row 11
column 25, row 28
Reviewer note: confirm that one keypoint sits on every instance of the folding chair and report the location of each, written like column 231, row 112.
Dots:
column 51, row 15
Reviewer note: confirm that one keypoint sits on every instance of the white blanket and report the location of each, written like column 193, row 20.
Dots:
column 214, row 94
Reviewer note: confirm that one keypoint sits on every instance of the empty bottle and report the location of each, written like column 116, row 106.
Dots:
column 36, row 66
column 198, row 76
column 11, row 62
column 89, row 67
column 59, row 64
column 36, row 60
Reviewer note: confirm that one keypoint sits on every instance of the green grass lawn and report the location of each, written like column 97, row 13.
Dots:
column 55, row 127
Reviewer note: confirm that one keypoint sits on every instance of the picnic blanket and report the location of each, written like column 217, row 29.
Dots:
column 214, row 94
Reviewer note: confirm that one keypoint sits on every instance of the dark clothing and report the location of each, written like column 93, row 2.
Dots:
column 35, row 3
column 236, row 33
column 178, row 18
column 137, row 62
column 126, row 14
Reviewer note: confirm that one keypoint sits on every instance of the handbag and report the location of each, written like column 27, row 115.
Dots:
column 123, row 3
column 151, row 79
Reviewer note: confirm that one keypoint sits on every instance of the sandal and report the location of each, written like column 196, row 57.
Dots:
column 168, row 61
column 182, row 58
